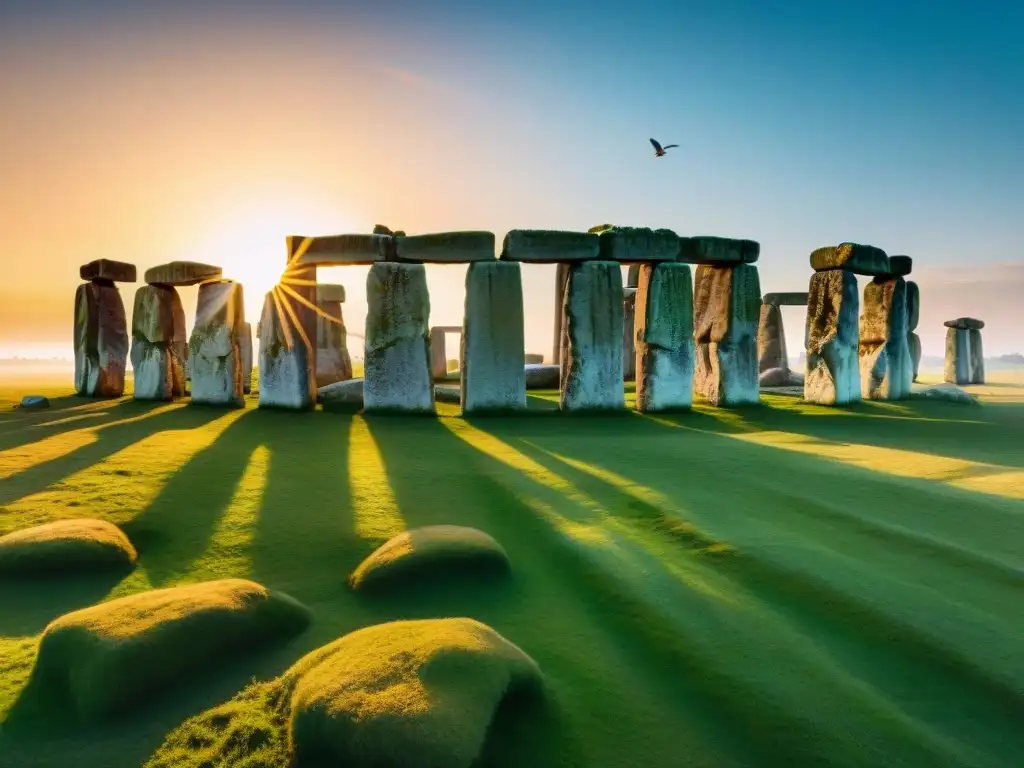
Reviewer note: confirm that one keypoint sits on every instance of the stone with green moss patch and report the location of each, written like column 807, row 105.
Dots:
column 66, row 546
column 638, row 244
column 851, row 257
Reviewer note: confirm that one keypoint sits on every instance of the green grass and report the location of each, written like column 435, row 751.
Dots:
column 774, row 586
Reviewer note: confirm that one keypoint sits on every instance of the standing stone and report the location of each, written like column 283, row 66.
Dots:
column 158, row 327
column 957, row 368
column 913, row 314
column 914, row 345
column 771, row 340
column 397, row 344
column 333, row 363
column 493, row 347
column 664, row 338
column 886, row 367
column 245, row 349
column 977, row 356
column 561, row 278
column 833, row 373
column 299, row 276
column 100, row 340
column 629, row 334
column 214, row 346
column 439, row 350
column 727, row 301
column 286, row 370
column 591, row 378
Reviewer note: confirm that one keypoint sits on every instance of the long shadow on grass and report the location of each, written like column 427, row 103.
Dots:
column 29, row 603
column 21, row 427
column 109, row 440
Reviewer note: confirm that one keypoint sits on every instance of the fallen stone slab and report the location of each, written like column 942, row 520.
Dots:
column 886, row 366
column 108, row 270
column 343, row 396
column 287, row 375
column 34, row 401
column 158, row 328
column 397, row 344
column 215, row 358
column 977, row 356
column 328, row 292
column 786, row 299
column 65, row 546
column 339, row 250
column 549, row 246
column 727, row 306
column 946, row 393
column 774, row 378
column 246, row 351
column 913, row 305
column 592, row 359
column 493, row 376
column 718, row 251
column 967, row 323
column 664, row 338
column 542, row 375
column 638, row 244
column 182, row 273
column 771, row 339
column 100, row 341
column 852, row 257
column 446, row 248
column 900, row 265
column 833, row 306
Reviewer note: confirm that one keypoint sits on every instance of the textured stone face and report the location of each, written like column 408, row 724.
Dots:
column 833, row 375
column 718, row 251
column 957, row 369
column 493, row 372
column 446, row 248
column 158, row 328
column 977, row 356
column 397, row 347
column 561, row 278
column 286, row 370
column 914, row 343
column 786, row 299
column 339, row 250
column 727, row 304
column 592, row 360
column 107, row 269
column 544, row 246
column 967, row 323
column 633, row 276
column 852, row 257
column 900, row 265
column 664, row 338
column 771, row 340
column 542, row 376
column 638, row 244
column 215, row 360
column 439, row 352
column 913, row 305
column 245, row 350
column 629, row 334
column 886, row 366
column 182, row 273
column 100, row 341
column 333, row 362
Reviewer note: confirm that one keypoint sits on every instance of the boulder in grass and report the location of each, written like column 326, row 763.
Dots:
column 105, row 659
column 419, row 694
column 66, row 546
column 344, row 396
column 415, row 555
column 948, row 393
column 542, row 375
column 34, row 401
column 447, row 394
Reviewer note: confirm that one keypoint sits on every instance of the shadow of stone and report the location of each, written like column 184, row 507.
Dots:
column 29, row 603
column 48, row 422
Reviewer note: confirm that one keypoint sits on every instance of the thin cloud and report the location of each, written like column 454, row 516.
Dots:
column 419, row 80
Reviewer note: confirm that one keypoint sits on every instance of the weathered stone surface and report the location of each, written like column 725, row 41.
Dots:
column 886, row 367
column 771, row 340
column 977, row 356
column 913, row 305
column 493, row 374
column 328, row 292
column 107, row 269
column 664, row 338
column 533, row 358
column 957, row 369
column 786, row 299
column 967, row 323
column 343, row 396
column 286, row 371
column 215, row 359
column 633, row 276
column 245, row 350
column 447, row 393
column 718, row 251
column 439, row 350
column 397, row 346
column 548, row 246
column 914, row 343
column 900, row 266
column 592, row 360
column 182, row 273
column 446, row 248
column 833, row 373
column 629, row 333
column 338, row 250
column 852, row 257
column 333, row 362
column 542, row 376
column 727, row 305
column 100, row 341
column 34, row 401
column 158, row 331
column 639, row 244
column 561, row 278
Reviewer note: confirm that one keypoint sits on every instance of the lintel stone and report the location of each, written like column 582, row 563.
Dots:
column 339, row 250
column 852, row 257
column 966, row 323
column 549, row 246
column 446, row 248
column 786, row 299
column 108, row 269
column 718, row 251
column 182, row 273
column 638, row 244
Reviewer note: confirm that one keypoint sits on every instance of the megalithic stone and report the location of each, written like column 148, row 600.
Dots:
column 561, row 277
column 333, row 362
column 664, row 338
column 771, row 340
column 438, row 355
column 493, row 346
column 726, row 307
column 629, row 333
column 286, row 373
column 298, row 282
column 886, row 366
column 914, row 342
column 977, row 356
column 913, row 315
column 591, row 377
column 245, row 349
column 215, row 356
column 158, row 325
column 397, row 345
column 957, row 369
column 100, row 340
column 833, row 306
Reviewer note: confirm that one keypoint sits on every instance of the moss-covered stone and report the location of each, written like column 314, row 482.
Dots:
column 664, row 338
column 66, row 546
column 852, row 257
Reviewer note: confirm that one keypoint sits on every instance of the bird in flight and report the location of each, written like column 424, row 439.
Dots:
column 659, row 151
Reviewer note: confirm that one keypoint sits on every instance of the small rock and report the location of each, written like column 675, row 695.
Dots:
column 34, row 401
column 542, row 376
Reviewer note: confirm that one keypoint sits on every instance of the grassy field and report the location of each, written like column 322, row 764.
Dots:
column 786, row 585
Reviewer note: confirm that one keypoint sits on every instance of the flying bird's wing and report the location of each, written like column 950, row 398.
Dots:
column 656, row 145
column 669, row 146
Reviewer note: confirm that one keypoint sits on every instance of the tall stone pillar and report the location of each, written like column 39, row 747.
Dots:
column 158, row 327
column 215, row 345
column 965, row 364
column 333, row 362
column 977, row 356
column 101, row 329
column 886, row 367
column 913, row 315
column 629, row 333
column 561, row 278
column 664, row 338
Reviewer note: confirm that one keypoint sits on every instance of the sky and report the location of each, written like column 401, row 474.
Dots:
column 210, row 131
